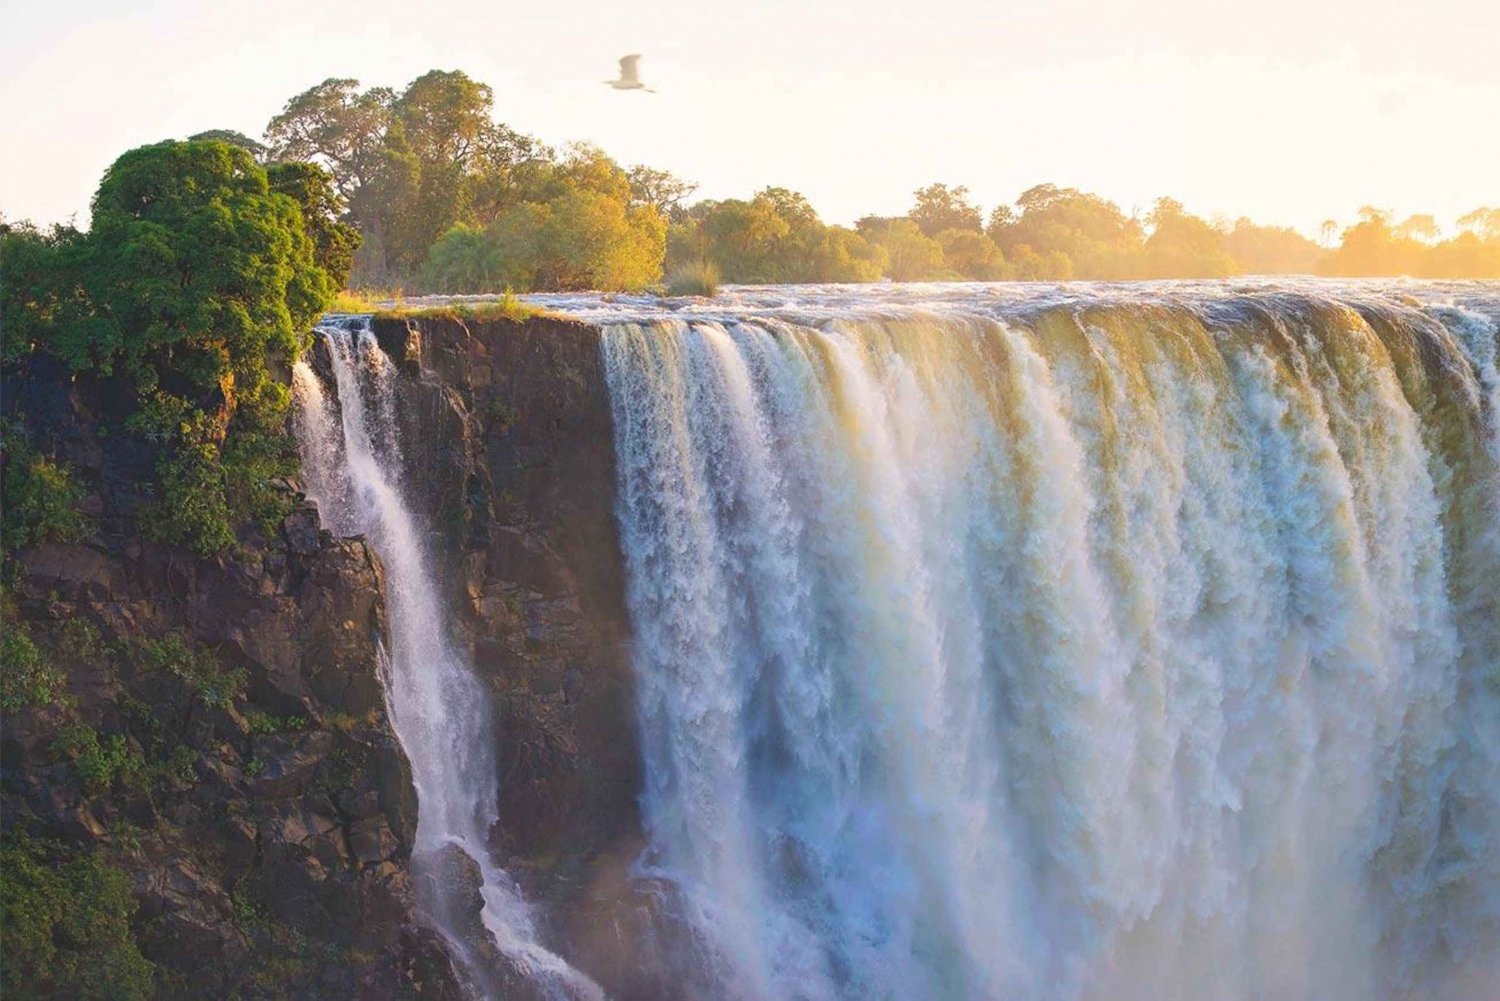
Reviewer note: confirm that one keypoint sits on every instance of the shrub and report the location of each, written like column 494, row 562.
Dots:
column 27, row 677
column 65, row 926
column 195, row 667
column 41, row 496
column 97, row 761
column 694, row 278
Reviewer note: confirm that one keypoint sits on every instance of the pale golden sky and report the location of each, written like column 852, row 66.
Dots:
column 1287, row 110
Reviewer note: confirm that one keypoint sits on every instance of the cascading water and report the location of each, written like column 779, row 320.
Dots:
column 352, row 465
column 1133, row 644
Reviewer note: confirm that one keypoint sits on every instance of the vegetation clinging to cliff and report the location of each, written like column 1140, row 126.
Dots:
column 65, row 917
column 196, row 278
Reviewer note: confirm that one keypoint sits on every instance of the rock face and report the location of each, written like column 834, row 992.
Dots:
column 273, row 857
column 508, row 425
column 254, row 792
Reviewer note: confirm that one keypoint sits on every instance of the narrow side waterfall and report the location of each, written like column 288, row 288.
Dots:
column 352, row 466
column 1119, row 649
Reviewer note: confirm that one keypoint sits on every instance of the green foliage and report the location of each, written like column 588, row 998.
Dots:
column 98, row 762
column 449, row 200
column 661, row 190
column 1098, row 239
column 40, row 495
column 693, row 278
column 312, row 188
column 911, row 254
column 27, row 677
column 196, row 279
column 197, row 668
column 410, row 165
column 940, row 208
column 233, row 138
column 65, row 926
column 1271, row 250
column 79, row 639
column 194, row 273
column 265, row 723
column 1184, row 246
column 40, row 285
column 972, row 254
column 774, row 237
column 579, row 229
column 506, row 307
column 218, row 469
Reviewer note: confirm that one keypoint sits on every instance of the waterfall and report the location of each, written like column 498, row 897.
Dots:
column 351, row 452
column 1131, row 646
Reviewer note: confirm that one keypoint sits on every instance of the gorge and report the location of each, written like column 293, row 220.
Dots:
column 933, row 641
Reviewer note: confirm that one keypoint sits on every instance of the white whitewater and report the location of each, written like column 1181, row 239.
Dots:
column 1132, row 646
column 352, row 467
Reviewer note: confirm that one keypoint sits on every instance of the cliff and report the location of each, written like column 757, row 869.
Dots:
column 259, row 803
column 507, row 425
column 217, row 735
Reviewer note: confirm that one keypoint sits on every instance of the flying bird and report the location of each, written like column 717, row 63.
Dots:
column 630, row 77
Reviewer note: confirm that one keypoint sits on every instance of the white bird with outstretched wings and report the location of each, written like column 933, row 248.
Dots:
column 630, row 76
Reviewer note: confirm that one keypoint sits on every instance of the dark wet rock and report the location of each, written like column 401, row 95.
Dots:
column 516, row 457
column 288, row 762
column 265, row 835
column 285, row 841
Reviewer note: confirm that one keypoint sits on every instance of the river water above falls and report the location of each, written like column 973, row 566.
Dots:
column 1083, row 642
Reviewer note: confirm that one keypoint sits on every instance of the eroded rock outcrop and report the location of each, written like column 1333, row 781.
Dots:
column 507, row 425
column 220, row 736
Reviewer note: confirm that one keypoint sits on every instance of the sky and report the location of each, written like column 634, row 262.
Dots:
column 1288, row 111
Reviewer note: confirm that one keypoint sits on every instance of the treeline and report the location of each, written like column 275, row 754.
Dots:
column 448, row 200
column 1054, row 233
column 434, row 195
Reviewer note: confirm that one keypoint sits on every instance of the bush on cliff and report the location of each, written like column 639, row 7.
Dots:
column 65, row 926
column 197, row 279
column 40, row 495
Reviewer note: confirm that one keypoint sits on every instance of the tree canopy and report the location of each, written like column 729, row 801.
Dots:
column 194, row 278
column 447, row 199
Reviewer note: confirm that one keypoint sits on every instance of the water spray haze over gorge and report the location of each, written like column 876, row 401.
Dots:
column 1000, row 642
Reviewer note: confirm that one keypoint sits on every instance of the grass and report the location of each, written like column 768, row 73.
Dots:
column 366, row 300
column 694, row 278
column 507, row 307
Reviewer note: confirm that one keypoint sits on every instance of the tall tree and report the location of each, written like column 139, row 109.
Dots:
column 660, row 189
column 338, row 125
column 940, row 207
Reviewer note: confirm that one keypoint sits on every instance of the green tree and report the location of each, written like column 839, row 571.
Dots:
column 662, row 190
column 940, row 208
column 194, row 272
column 464, row 259
column 312, row 188
column 1482, row 222
column 339, row 126
column 194, row 278
column 774, row 237
column 1422, row 227
column 1098, row 239
column 912, row 255
column 972, row 254
column 40, row 287
column 258, row 150
column 582, row 231
column 1182, row 245
column 1372, row 247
